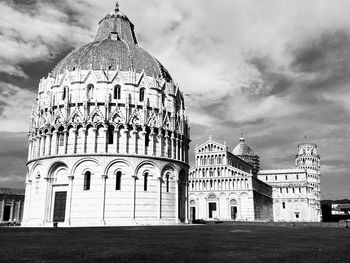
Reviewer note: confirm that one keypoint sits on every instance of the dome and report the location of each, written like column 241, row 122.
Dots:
column 115, row 47
column 242, row 149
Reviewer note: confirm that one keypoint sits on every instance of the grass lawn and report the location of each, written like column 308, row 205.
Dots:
column 196, row 243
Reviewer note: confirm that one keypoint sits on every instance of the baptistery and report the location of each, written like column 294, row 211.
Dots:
column 108, row 137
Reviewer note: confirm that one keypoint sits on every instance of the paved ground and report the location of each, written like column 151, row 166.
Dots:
column 197, row 243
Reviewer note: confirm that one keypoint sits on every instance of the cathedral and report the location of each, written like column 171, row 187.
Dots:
column 230, row 186
column 108, row 138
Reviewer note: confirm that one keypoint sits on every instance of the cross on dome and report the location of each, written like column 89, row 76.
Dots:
column 116, row 7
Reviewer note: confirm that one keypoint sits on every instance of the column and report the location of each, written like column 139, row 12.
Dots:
column 104, row 139
column 94, row 149
column 177, row 148
column 26, row 210
column 159, row 197
column 11, row 211
column 126, row 135
column 141, row 145
column 69, row 200
column 65, row 142
column 116, row 140
column 133, row 139
column 30, row 148
column 103, row 199
column 166, row 150
column 55, row 142
column 2, row 210
column 75, row 136
column 42, row 145
column 151, row 143
column 49, row 138
column 18, row 217
column 159, row 146
column 83, row 131
column 177, row 201
column 173, row 146
column 48, row 195
column 37, row 146
column 186, row 203
column 180, row 150
column 133, row 197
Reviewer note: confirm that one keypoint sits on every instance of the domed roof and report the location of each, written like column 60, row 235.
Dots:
column 242, row 149
column 115, row 47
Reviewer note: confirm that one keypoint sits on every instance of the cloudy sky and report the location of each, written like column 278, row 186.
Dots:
column 275, row 70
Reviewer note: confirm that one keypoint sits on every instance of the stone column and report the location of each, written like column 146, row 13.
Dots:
column 126, row 135
column 65, row 141
column 48, row 196
column 160, row 146
column 142, row 149
column 37, row 142
column 49, row 143
column 28, row 194
column 105, row 143
column 75, row 136
column 186, row 203
column 12, row 210
column 177, row 148
column 151, row 143
column 177, row 201
column 166, row 150
column 133, row 197
column 55, row 142
column 2, row 210
column 133, row 139
column 103, row 199
column 30, row 148
column 83, row 131
column 18, row 217
column 159, row 198
column 69, row 200
column 94, row 131
column 116, row 140
column 42, row 144
column 180, row 150
column 173, row 146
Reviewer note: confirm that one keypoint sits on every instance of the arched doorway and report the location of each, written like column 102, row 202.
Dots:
column 233, row 209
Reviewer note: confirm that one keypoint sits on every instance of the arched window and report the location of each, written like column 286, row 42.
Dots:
column 167, row 183
column 64, row 93
column 145, row 179
column 60, row 137
column 116, row 93
column 283, row 205
column 118, row 180
column 142, row 94
column 110, row 134
column 87, row 180
column 90, row 91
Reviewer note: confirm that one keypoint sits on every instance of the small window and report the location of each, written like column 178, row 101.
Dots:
column 167, row 184
column 299, row 190
column 296, row 215
column 87, row 180
column 297, row 177
column 266, row 178
column 293, row 190
column 287, row 190
column 118, row 180
column 90, row 91
column 145, row 179
column 64, row 94
column 110, row 134
column 281, row 190
column 116, row 92
column 142, row 94
column 286, row 177
column 276, row 177
column 283, row 205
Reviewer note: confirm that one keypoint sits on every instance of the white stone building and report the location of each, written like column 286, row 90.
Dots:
column 296, row 192
column 222, row 186
column 108, row 138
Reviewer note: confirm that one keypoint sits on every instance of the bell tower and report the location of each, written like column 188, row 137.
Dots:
column 308, row 159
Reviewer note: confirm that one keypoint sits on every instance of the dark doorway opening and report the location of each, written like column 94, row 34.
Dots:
column 7, row 212
column 212, row 210
column 59, row 211
column 233, row 212
column 193, row 213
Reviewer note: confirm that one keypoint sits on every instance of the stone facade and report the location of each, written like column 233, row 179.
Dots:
column 11, row 205
column 222, row 186
column 108, row 138
column 296, row 192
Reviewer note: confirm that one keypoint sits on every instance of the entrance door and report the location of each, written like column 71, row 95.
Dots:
column 7, row 212
column 212, row 209
column 233, row 212
column 59, row 211
column 192, row 213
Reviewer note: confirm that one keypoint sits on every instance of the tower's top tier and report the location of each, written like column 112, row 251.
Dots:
column 115, row 47
column 307, row 149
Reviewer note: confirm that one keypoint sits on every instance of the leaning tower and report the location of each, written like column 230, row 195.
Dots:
column 308, row 159
column 108, row 137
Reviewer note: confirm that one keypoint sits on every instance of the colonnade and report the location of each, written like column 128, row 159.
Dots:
column 219, row 184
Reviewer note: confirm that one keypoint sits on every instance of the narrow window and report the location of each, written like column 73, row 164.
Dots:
column 276, row 177
column 281, row 190
column 296, row 215
column 64, row 94
column 167, row 184
column 286, row 177
column 142, row 94
column 110, row 134
column 61, row 138
column 90, row 91
column 266, row 178
column 299, row 190
column 293, row 190
column 145, row 178
column 287, row 190
column 297, row 177
column 118, row 180
column 283, row 205
column 116, row 93
column 87, row 180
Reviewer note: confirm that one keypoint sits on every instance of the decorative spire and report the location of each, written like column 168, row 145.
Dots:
column 116, row 7
column 242, row 138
